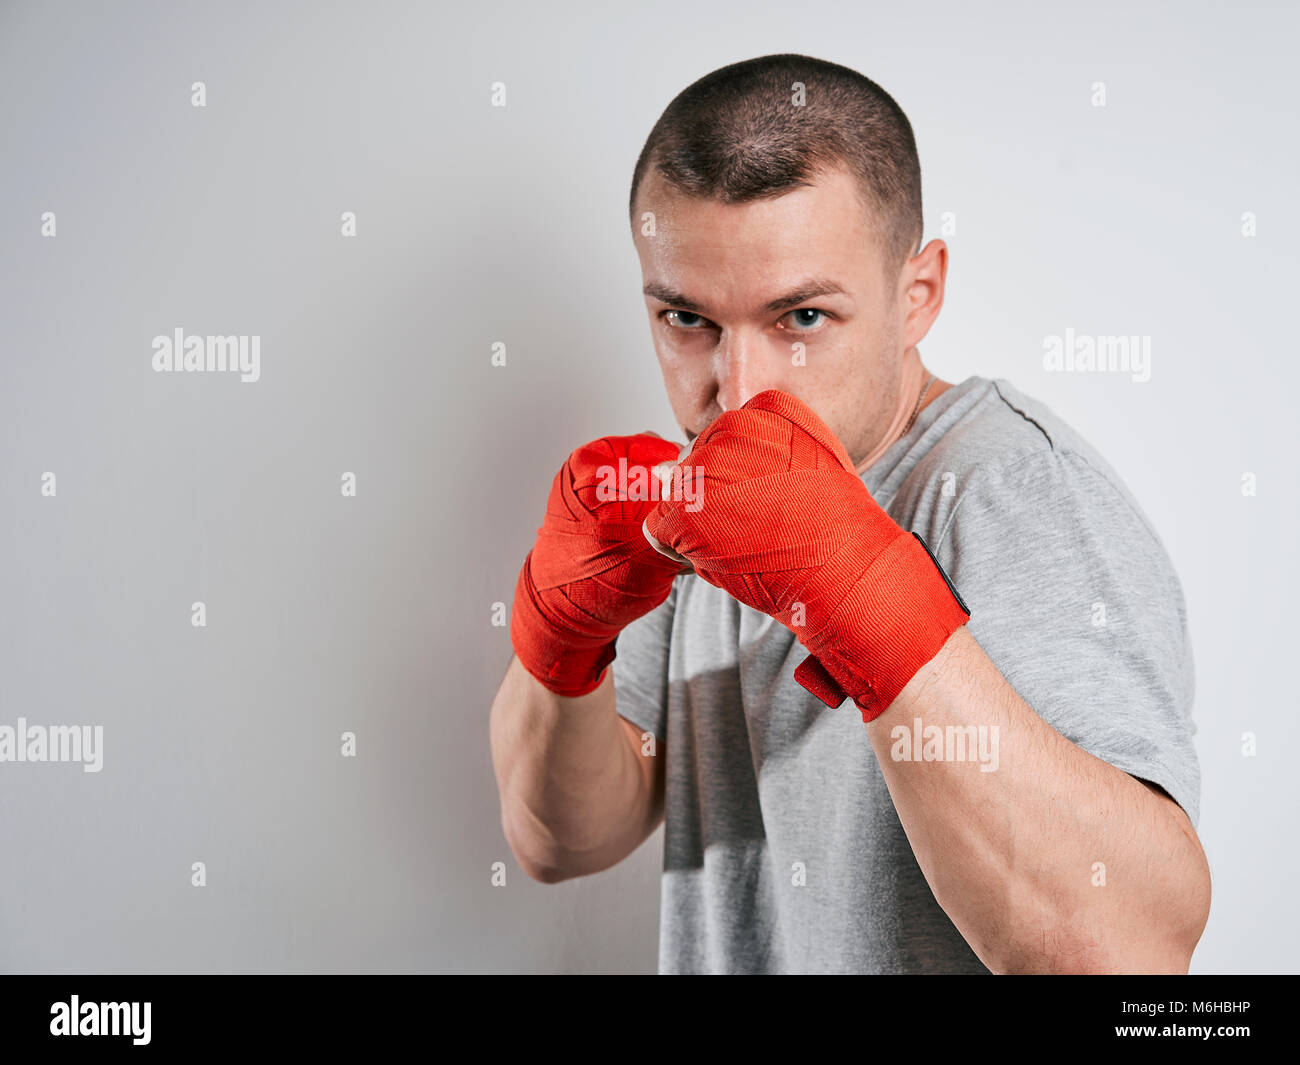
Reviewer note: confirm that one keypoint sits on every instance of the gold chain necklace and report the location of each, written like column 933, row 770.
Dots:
column 929, row 380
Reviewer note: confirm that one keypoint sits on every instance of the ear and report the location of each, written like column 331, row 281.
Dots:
column 922, row 286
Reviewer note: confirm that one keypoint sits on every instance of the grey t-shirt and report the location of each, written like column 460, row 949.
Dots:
column 1073, row 597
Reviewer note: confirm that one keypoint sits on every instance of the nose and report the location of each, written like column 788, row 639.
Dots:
column 742, row 371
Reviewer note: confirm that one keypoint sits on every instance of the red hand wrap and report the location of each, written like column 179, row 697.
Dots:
column 591, row 571
column 787, row 526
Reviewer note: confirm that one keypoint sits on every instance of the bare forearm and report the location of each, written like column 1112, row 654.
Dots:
column 566, row 776
column 1055, row 861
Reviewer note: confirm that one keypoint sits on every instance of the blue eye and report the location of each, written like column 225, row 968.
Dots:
column 807, row 319
column 805, row 322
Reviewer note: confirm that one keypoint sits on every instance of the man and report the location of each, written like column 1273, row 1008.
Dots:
column 953, row 559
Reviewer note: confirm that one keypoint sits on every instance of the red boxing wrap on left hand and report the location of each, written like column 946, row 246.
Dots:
column 784, row 524
column 591, row 572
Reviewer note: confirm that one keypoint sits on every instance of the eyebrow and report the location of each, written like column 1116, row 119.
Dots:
column 802, row 293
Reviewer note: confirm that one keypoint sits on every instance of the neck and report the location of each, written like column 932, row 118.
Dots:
column 914, row 377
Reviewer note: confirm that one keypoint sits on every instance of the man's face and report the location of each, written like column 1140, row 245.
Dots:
column 728, row 293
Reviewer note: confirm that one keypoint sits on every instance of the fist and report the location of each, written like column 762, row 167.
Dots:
column 786, row 526
column 591, row 571
column 780, row 501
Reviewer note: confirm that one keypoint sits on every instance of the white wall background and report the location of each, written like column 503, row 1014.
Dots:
column 479, row 224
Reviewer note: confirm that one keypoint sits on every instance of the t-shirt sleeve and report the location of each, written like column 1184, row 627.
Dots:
column 641, row 667
column 1074, row 598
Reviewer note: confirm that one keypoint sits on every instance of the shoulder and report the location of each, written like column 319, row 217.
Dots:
column 995, row 425
column 1010, row 452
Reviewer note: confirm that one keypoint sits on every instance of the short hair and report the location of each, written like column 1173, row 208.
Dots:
column 736, row 135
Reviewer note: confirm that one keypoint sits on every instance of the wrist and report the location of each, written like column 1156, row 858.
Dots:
column 894, row 620
column 563, row 660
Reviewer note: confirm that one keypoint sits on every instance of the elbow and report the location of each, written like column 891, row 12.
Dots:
column 1154, row 930
column 1194, row 913
column 1072, row 951
column 1054, row 950
column 1183, row 901
column 1075, row 945
column 536, row 854
column 1180, row 907
column 542, row 871
column 1167, row 952
column 543, row 874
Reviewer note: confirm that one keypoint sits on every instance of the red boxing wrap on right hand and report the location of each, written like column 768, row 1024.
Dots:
column 591, row 572
column 789, row 528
